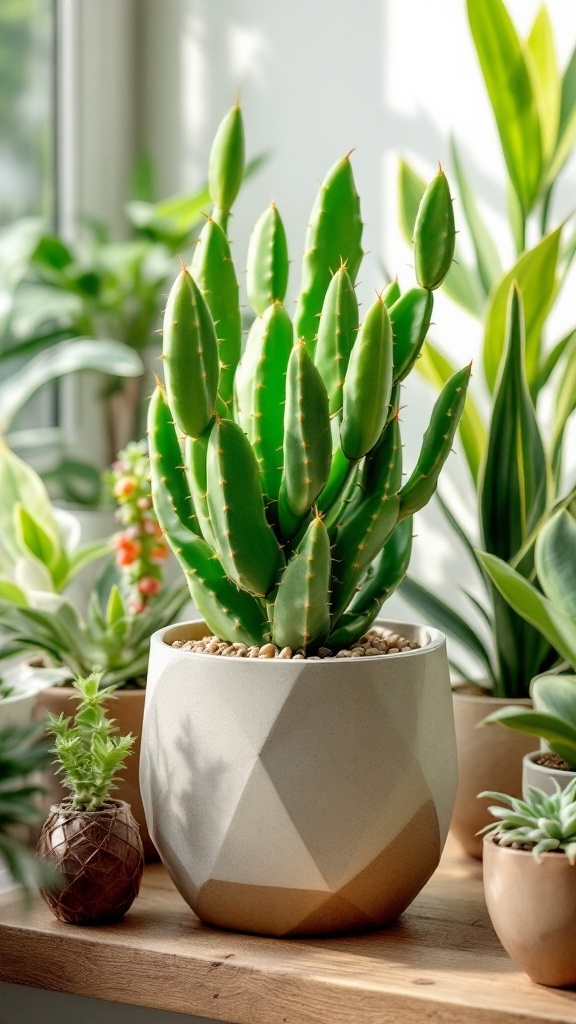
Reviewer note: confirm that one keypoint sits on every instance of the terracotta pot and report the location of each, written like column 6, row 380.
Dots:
column 298, row 797
column 127, row 708
column 99, row 854
column 533, row 909
column 489, row 758
column 541, row 777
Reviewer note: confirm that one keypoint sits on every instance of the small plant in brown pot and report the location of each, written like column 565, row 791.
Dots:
column 91, row 839
column 530, row 881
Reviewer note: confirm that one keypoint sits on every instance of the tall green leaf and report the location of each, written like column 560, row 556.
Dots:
column 564, row 405
column 437, row 369
column 511, row 93
column 487, row 258
column 567, row 126
column 535, row 275
column 556, row 561
column 543, row 64
column 20, row 484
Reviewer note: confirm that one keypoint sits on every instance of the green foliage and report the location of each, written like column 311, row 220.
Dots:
column 546, row 823
column 22, row 753
column 89, row 751
column 289, row 518
column 515, row 467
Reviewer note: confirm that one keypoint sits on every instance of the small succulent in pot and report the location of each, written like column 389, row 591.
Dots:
column 91, row 839
column 530, row 881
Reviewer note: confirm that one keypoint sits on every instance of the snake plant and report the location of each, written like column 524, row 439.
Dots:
column 546, row 823
column 515, row 465
column 286, row 506
column 553, row 614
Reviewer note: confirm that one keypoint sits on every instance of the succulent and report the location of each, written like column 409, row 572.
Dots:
column 541, row 821
column 553, row 614
column 112, row 639
column 286, row 507
column 89, row 751
column 22, row 753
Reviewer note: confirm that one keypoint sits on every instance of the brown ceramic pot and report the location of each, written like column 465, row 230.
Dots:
column 100, row 857
column 489, row 758
column 127, row 708
column 533, row 909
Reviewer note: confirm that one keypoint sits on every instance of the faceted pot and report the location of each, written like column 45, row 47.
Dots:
column 98, row 855
column 489, row 758
column 127, row 709
column 298, row 797
column 533, row 909
column 542, row 777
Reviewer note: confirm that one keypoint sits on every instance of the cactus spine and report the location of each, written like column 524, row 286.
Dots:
column 278, row 479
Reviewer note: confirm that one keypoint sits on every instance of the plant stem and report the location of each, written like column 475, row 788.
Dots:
column 545, row 211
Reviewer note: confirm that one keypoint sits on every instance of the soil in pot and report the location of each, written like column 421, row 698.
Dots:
column 549, row 760
column 100, row 858
column 489, row 758
column 544, row 770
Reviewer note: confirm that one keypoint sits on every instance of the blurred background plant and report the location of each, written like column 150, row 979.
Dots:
column 23, row 752
column 515, row 460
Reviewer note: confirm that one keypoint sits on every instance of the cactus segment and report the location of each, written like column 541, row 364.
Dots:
column 437, row 443
column 336, row 336
column 300, row 616
column 358, row 541
column 244, row 379
column 334, row 237
column 368, row 384
column 391, row 294
column 190, row 353
column 434, row 234
column 213, row 270
column 195, row 454
column 307, row 439
column 340, row 471
column 382, row 469
column 268, row 266
column 166, row 454
column 226, row 167
column 245, row 543
column 268, row 397
column 410, row 319
column 386, row 572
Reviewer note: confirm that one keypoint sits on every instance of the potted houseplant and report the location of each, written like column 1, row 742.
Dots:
column 305, row 786
column 91, row 839
column 529, row 867
column 553, row 613
column 536, row 130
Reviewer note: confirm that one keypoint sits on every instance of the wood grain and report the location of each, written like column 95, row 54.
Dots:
column 440, row 963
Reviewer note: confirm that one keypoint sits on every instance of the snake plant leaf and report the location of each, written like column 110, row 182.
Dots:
column 435, row 610
column 543, row 65
column 461, row 283
column 553, row 357
column 558, row 628
column 437, row 369
column 513, row 491
column 535, row 274
column 487, row 259
column 564, row 403
column 567, row 126
column 511, row 91
column 556, row 561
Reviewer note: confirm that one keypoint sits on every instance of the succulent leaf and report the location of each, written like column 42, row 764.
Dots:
column 226, row 167
column 213, row 270
column 268, row 266
column 336, row 336
column 301, row 619
column 410, row 319
column 368, row 384
column 434, row 234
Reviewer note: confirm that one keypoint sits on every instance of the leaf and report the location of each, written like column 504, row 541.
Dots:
column 522, row 596
column 567, row 126
column 461, row 284
column 445, row 618
column 511, row 93
column 553, row 357
column 556, row 561
column 546, row 726
column 535, row 274
column 33, row 539
column 543, row 64
column 11, row 592
column 463, row 536
column 437, row 369
column 513, row 488
column 564, row 404
column 487, row 258
column 52, row 253
column 17, row 244
column 20, row 484
column 109, row 357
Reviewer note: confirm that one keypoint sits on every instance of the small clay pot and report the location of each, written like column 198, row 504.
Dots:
column 100, row 858
column 533, row 909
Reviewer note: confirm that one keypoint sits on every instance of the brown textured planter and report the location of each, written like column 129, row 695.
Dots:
column 127, row 708
column 489, row 758
column 533, row 909
column 99, row 855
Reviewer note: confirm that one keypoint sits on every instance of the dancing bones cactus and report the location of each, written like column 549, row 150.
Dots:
column 277, row 477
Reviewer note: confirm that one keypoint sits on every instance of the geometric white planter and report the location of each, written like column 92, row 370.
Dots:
column 294, row 797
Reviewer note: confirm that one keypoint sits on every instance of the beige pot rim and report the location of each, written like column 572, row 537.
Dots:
column 508, row 851
column 433, row 640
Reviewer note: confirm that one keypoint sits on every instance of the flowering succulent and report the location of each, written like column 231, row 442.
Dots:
column 541, row 821
column 140, row 546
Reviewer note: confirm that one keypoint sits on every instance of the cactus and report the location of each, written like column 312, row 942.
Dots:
column 285, row 506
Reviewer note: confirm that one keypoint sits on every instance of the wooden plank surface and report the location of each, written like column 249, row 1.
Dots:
column 440, row 963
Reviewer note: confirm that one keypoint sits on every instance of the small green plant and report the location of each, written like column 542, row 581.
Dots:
column 544, row 823
column 89, row 751
column 287, row 511
column 22, row 752
column 553, row 614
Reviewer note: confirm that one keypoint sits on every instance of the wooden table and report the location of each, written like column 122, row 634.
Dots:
column 440, row 963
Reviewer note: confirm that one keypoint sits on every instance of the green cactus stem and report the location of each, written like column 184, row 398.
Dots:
column 410, row 319
column 368, row 384
column 226, row 167
column 268, row 267
column 301, row 618
column 336, row 336
column 434, row 234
